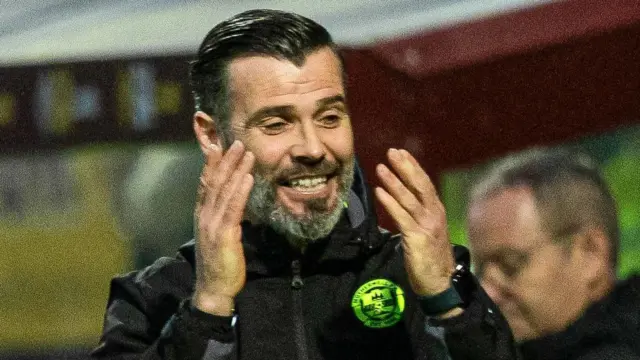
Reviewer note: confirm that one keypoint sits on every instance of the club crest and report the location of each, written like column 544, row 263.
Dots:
column 378, row 303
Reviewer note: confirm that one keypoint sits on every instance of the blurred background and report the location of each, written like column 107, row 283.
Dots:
column 98, row 168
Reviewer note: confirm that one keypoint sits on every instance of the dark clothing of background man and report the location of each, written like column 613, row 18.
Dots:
column 609, row 329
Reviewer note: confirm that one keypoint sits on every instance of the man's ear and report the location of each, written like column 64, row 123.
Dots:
column 593, row 248
column 205, row 130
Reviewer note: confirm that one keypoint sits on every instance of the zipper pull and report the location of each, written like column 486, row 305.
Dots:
column 296, row 281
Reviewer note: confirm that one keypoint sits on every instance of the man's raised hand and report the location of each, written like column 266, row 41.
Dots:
column 225, row 184
column 411, row 200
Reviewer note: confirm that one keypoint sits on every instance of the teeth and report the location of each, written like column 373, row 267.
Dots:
column 309, row 182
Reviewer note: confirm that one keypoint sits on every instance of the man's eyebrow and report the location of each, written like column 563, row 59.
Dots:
column 322, row 104
column 269, row 111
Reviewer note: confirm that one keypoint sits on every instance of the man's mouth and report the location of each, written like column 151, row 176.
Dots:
column 301, row 191
column 307, row 184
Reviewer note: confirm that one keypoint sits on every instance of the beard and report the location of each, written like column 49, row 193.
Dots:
column 319, row 219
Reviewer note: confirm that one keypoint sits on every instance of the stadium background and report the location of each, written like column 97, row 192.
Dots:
column 98, row 169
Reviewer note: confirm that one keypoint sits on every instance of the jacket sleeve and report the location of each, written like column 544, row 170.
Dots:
column 160, row 326
column 480, row 332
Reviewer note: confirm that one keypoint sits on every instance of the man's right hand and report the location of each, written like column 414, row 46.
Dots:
column 225, row 184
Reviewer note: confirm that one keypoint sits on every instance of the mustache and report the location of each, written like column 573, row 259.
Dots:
column 322, row 168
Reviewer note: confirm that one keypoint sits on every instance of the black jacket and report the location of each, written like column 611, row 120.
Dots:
column 609, row 329
column 296, row 306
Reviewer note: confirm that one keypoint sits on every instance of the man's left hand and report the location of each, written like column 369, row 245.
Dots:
column 411, row 199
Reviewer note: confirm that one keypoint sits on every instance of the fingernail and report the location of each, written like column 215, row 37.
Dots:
column 236, row 144
column 394, row 154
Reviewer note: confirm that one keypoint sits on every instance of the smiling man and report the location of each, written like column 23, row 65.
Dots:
column 304, row 148
column 288, row 261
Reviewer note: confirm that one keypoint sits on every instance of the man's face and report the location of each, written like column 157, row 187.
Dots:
column 535, row 281
column 295, row 121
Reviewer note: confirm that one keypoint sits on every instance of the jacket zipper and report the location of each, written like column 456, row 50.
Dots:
column 298, row 318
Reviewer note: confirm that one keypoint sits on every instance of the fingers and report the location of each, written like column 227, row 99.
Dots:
column 429, row 194
column 399, row 192
column 220, row 174
column 403, row 219
column 239, row 202
column 230, row 203
column 225, row 185
column 213, row 153
column 412, row 175
column 410, row 187
column 218, row 169
column 419, row 170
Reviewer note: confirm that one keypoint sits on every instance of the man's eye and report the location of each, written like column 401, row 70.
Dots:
column 510, row 270
column 274, row 126
column 513, row 267
column 331, row 120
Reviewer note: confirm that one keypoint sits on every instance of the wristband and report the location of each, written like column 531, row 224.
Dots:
column 440, row 303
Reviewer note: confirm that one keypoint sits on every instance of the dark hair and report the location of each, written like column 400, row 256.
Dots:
column 568, row 188
column 279, row 34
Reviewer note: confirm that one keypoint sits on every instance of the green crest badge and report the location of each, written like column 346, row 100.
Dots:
column 378, row 303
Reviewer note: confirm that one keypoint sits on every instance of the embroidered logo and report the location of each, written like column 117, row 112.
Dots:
column 378, row 303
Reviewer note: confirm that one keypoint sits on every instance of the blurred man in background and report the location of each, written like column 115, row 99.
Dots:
column 544, row 235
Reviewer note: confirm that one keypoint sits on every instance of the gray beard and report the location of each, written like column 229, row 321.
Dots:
column 317, row 223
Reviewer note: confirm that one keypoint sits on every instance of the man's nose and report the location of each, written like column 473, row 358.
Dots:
column 310, row 148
